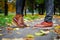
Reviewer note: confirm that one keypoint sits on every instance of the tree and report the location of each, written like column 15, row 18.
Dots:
column 6, row 7
column 40, row 6
column 31, row 5
column 57, row 5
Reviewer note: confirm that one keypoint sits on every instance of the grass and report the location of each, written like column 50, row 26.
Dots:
column 5, row 19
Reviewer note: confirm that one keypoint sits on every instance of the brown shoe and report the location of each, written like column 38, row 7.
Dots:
column 18, row 19
column 44, row 24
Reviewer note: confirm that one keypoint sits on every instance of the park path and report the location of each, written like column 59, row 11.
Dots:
column 22, row 32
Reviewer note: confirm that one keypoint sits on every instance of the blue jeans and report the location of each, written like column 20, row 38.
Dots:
column 49, row 8
column 20, row 6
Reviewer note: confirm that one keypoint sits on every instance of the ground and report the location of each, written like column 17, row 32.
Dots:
column 19, row 33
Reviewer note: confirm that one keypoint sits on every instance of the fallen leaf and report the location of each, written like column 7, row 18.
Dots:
column 18, row 32
column 39, row 34
column 30, row 36
column 28, row 25
column 14, row 24
column 0, row 29
column 9, row 28
column 17, row 28
column 1, row 34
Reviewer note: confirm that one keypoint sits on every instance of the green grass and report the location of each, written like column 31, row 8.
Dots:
column 30, row 17
column 5, row 19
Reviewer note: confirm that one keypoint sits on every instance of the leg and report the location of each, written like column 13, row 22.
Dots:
column 18, row 19
column 20, row 6
column 49, row 10
column 49, row 14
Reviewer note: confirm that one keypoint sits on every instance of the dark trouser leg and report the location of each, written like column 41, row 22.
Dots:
column 49, row 10
column 20, row 6
column 18, row 19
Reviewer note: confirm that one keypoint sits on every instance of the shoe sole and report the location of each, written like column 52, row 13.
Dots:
column 45, row 27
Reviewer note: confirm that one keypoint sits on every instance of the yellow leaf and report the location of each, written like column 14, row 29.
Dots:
column 30, row 36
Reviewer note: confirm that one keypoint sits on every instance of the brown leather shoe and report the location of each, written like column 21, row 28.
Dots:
column 18, row 19
column 44, row 24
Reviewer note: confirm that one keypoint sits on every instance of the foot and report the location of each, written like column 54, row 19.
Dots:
column 44, row 24
column 18, row 19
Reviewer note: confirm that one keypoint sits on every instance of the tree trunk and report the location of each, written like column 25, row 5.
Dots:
column 25, row 12
column 42, row 6
column 59, row 11
column 54, row 9
column 41, row 9
column 6, row 8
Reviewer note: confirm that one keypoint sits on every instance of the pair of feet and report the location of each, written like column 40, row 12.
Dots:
column 18, row 19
